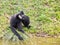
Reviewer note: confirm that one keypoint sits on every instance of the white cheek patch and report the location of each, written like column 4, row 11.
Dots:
column 20, row 17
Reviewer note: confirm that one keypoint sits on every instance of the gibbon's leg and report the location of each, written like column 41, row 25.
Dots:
column 16, row 33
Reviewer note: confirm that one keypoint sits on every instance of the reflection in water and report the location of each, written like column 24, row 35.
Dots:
column 32, row 41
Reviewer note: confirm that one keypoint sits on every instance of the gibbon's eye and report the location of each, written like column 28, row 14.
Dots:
column 20, row 17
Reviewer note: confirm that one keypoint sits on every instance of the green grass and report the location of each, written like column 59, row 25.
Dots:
column 44, row 14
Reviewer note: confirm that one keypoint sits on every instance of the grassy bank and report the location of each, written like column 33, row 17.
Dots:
column 44, row 14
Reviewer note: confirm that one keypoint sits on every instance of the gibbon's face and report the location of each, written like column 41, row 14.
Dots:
column 23, row 17
column 20, row 17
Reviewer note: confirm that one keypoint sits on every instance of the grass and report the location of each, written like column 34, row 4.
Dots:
column 44, row 14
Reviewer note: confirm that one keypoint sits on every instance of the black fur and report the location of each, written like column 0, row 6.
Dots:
column 16, row 23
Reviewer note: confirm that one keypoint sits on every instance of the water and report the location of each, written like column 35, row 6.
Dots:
column 32, row 41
